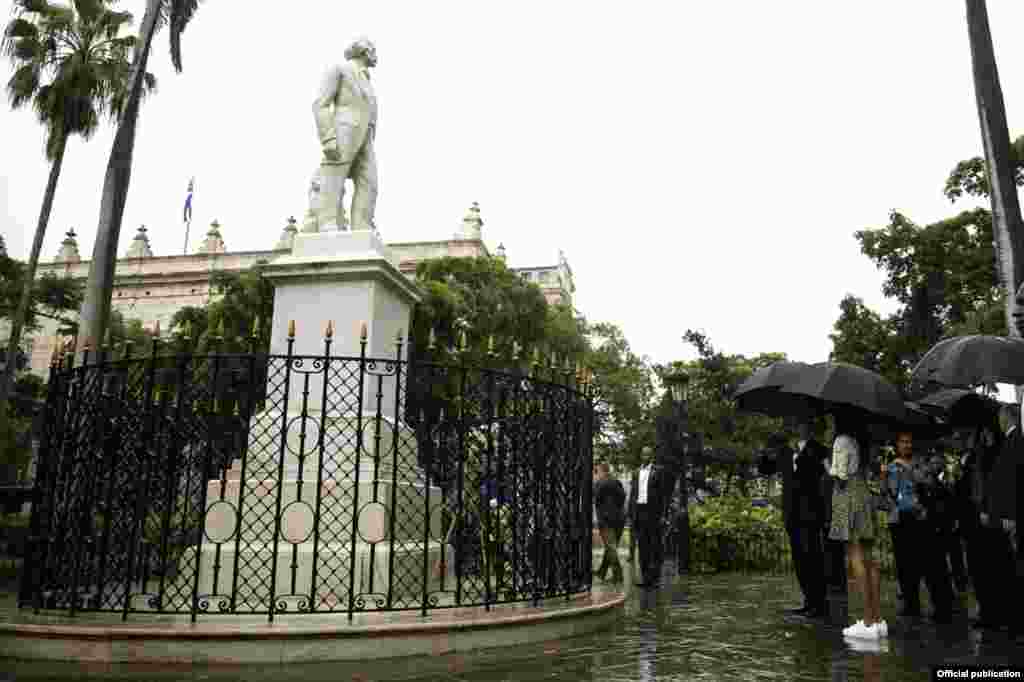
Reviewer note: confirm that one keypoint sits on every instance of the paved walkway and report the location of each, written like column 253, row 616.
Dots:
column 728, row 627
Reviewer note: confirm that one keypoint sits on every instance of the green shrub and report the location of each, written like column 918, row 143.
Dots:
column 728, row 533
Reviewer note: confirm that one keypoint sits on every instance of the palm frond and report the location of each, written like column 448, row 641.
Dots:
column 32, row 6
column 23, row 85
column 89, row 11
column 17, row 30
column 181, row 12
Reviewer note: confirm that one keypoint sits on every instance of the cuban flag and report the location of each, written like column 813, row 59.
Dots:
column 188, row 201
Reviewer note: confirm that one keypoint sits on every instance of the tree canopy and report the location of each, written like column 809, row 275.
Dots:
column 731, row 438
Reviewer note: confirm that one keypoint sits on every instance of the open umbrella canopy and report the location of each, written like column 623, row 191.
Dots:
column 965, row 361
column 923, row 422
column 959, row 407
column 760, row 392
column 838, row 385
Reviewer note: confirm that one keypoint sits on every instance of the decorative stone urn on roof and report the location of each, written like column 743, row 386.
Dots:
column 68, row 249
column 287, row 240
column 471, row 224
column 140, row 245
column 213, row 243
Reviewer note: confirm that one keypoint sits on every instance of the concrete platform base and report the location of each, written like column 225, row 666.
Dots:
column 99, row 638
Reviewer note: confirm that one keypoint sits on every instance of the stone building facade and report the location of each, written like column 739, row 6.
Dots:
column 153, row 288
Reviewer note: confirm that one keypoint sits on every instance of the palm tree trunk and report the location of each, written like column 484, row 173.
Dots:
column 21, row 315
column 1007, row 226
column 96, row 307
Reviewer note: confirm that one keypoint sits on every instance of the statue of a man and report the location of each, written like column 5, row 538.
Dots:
column 346, row 121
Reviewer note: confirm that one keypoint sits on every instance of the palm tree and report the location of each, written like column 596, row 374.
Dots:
column 96, row 307
column 1007, row 226
column 72, row 67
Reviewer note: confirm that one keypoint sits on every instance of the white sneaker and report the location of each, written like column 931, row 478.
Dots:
column 855, row 630
column 883, row 628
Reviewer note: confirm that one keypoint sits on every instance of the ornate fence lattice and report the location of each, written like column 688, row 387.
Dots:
column 286, row 484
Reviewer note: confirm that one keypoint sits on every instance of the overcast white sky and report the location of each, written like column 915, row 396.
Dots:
column 702, row 165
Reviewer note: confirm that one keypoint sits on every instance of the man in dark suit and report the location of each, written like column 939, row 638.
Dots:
column 649, row 495
column 803, row 511
column 609, row 504
column 1003, row 512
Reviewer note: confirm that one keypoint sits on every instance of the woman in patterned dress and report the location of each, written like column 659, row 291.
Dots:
column 854, row 521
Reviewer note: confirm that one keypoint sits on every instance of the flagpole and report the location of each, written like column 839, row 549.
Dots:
column 188, row 214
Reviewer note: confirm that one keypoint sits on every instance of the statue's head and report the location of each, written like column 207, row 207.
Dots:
column 363, row 48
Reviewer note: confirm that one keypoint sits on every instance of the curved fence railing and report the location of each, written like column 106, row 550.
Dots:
column 284, row 484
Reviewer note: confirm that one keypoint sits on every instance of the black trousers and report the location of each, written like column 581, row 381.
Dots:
column 805, row 543
column 990, row 562
column 954, row 550
column 919, row 553
column 835, row 563
column 652, row 553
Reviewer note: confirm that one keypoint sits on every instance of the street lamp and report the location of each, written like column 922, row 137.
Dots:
column 677, row 440
column 677, row 383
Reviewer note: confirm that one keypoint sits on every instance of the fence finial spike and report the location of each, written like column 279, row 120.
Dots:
column 291, row 329
column 220, row 328
column 490, row 345
column 156, row 330
column 515, row 349
column 432, row 340
column 362, row 332
column 255, row 326
column 462, row 340
column 398, row 335
column 106, row 338
column 329, row 331
column 186, row 330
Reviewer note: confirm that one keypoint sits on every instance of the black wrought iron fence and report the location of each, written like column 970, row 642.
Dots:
column 267, row 484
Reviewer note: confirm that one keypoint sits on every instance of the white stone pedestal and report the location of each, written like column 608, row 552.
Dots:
column 350, row 279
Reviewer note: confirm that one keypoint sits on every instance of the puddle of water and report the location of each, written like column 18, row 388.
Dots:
column 729, row 628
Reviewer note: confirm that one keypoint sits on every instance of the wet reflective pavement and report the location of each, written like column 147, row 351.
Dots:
column 729, row 627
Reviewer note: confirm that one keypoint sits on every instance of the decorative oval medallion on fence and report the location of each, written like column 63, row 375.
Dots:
column 303, row 435
column 373, row 522
column 221, row 521
column 297, row 522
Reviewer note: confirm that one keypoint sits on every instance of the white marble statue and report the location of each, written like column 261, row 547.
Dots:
column 346, row 121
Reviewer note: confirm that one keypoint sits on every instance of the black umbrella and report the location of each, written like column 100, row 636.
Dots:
column 760, row 392
column 837, row 385
column 923, row 422
column 960, row 407
column 965, row 361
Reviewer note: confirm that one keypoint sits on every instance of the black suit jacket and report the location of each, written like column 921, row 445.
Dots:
column 659, row 491
column 1001, row 488
column 804, row 484
column 609, row 503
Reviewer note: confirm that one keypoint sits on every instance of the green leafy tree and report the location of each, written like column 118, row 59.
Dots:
column 864, row 338
column 731, row 438
column 226, row 323
column 481, row 299
column 624, row 397
column 96, row 308
column 944, row 277
column 72, row 67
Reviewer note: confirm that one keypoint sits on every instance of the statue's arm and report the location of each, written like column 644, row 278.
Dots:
column 323, row 106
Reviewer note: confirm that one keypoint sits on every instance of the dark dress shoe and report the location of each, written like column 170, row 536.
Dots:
column 817, row 612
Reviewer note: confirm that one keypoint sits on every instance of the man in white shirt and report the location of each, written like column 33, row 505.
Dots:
column 648, row 500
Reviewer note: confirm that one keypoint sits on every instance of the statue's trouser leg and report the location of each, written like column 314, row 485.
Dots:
column 330, row 208
column 364, row 195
